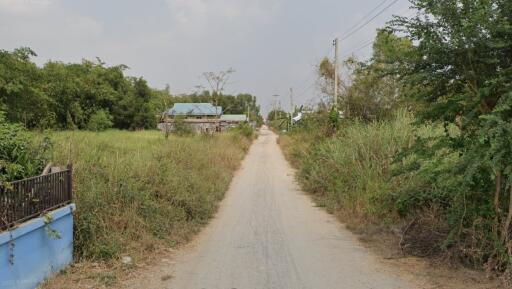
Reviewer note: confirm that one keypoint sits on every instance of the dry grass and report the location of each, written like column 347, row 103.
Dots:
column 350, row 172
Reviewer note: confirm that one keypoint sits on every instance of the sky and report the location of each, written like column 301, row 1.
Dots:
column 271, row 44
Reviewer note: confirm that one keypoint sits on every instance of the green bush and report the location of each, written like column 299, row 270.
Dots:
column 21, row 156
column 245, row 129
column 181, row 128
column 100, row 121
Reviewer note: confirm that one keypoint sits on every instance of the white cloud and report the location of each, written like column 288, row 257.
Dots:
column 25, row 6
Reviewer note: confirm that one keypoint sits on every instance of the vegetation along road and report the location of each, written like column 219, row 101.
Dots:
column 268, row 234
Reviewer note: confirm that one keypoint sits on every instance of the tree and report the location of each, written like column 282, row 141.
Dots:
column 66, row 96
column 370, row 90
column 20, row 88
column 461, row 65
column 375, row 89
column 326, row 80
column 217, row 82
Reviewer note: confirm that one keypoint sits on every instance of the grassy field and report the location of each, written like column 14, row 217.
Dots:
column 135, row 191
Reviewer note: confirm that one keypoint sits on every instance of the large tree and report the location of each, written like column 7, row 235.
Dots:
column 66, row 96
column 461, row 65
column 376, row 88
column 20, row 88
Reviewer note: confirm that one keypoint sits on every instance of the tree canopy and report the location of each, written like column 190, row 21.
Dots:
column 92, row 95
column 461, row 67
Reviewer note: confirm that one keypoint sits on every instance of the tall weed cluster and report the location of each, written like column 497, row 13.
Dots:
column 350, row 172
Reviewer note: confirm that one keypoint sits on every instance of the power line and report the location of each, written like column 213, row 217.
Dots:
column 364, row 17
column 369, row 21
column 351, row 31
column 370, row 42
column 359, row 48
column 311, row 79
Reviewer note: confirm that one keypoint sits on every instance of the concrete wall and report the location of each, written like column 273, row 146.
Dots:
column 36, row 249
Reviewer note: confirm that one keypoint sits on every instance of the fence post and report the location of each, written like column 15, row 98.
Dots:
column 70, row 182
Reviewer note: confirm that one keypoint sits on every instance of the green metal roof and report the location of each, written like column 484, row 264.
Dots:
column 195, row 109
column 234, row 117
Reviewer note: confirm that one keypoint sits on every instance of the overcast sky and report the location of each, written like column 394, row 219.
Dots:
column 272, row 44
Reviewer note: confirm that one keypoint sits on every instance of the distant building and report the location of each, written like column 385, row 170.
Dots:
column 202, row 117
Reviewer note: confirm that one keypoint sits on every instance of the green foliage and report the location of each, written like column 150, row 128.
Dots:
column 377, row 90
column 20, row 155
column 245, row 129
column 66, row 96
column 462, row 61
column 181, row 128
column 374, row 89
column 135, row 191
column 21, row 93
column 450, row 64
column 277, row 114
column 100, row 121
column 334, row 119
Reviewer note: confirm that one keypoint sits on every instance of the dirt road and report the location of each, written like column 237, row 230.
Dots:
column 268, row 234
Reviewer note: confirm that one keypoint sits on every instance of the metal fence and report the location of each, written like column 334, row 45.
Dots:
column 28, row 198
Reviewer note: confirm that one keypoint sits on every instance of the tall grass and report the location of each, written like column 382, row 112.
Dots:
column 369, row 176
column 137, row 190
column 350, row 173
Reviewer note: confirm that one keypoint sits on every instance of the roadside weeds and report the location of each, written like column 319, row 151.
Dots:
column 425, row 273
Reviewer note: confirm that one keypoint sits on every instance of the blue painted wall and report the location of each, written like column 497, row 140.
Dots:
column 32, row 252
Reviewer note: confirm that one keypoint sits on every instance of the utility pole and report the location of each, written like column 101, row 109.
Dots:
column 275, row 106
column 336, row 73
column 291, row 106
column 248, row 113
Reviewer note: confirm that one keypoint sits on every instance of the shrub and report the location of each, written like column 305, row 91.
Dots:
column 181, row 128
column 100, row 120
column 245, row 129
column 21, row 156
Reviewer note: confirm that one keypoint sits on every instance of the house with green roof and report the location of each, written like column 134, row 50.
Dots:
column 201, row 117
